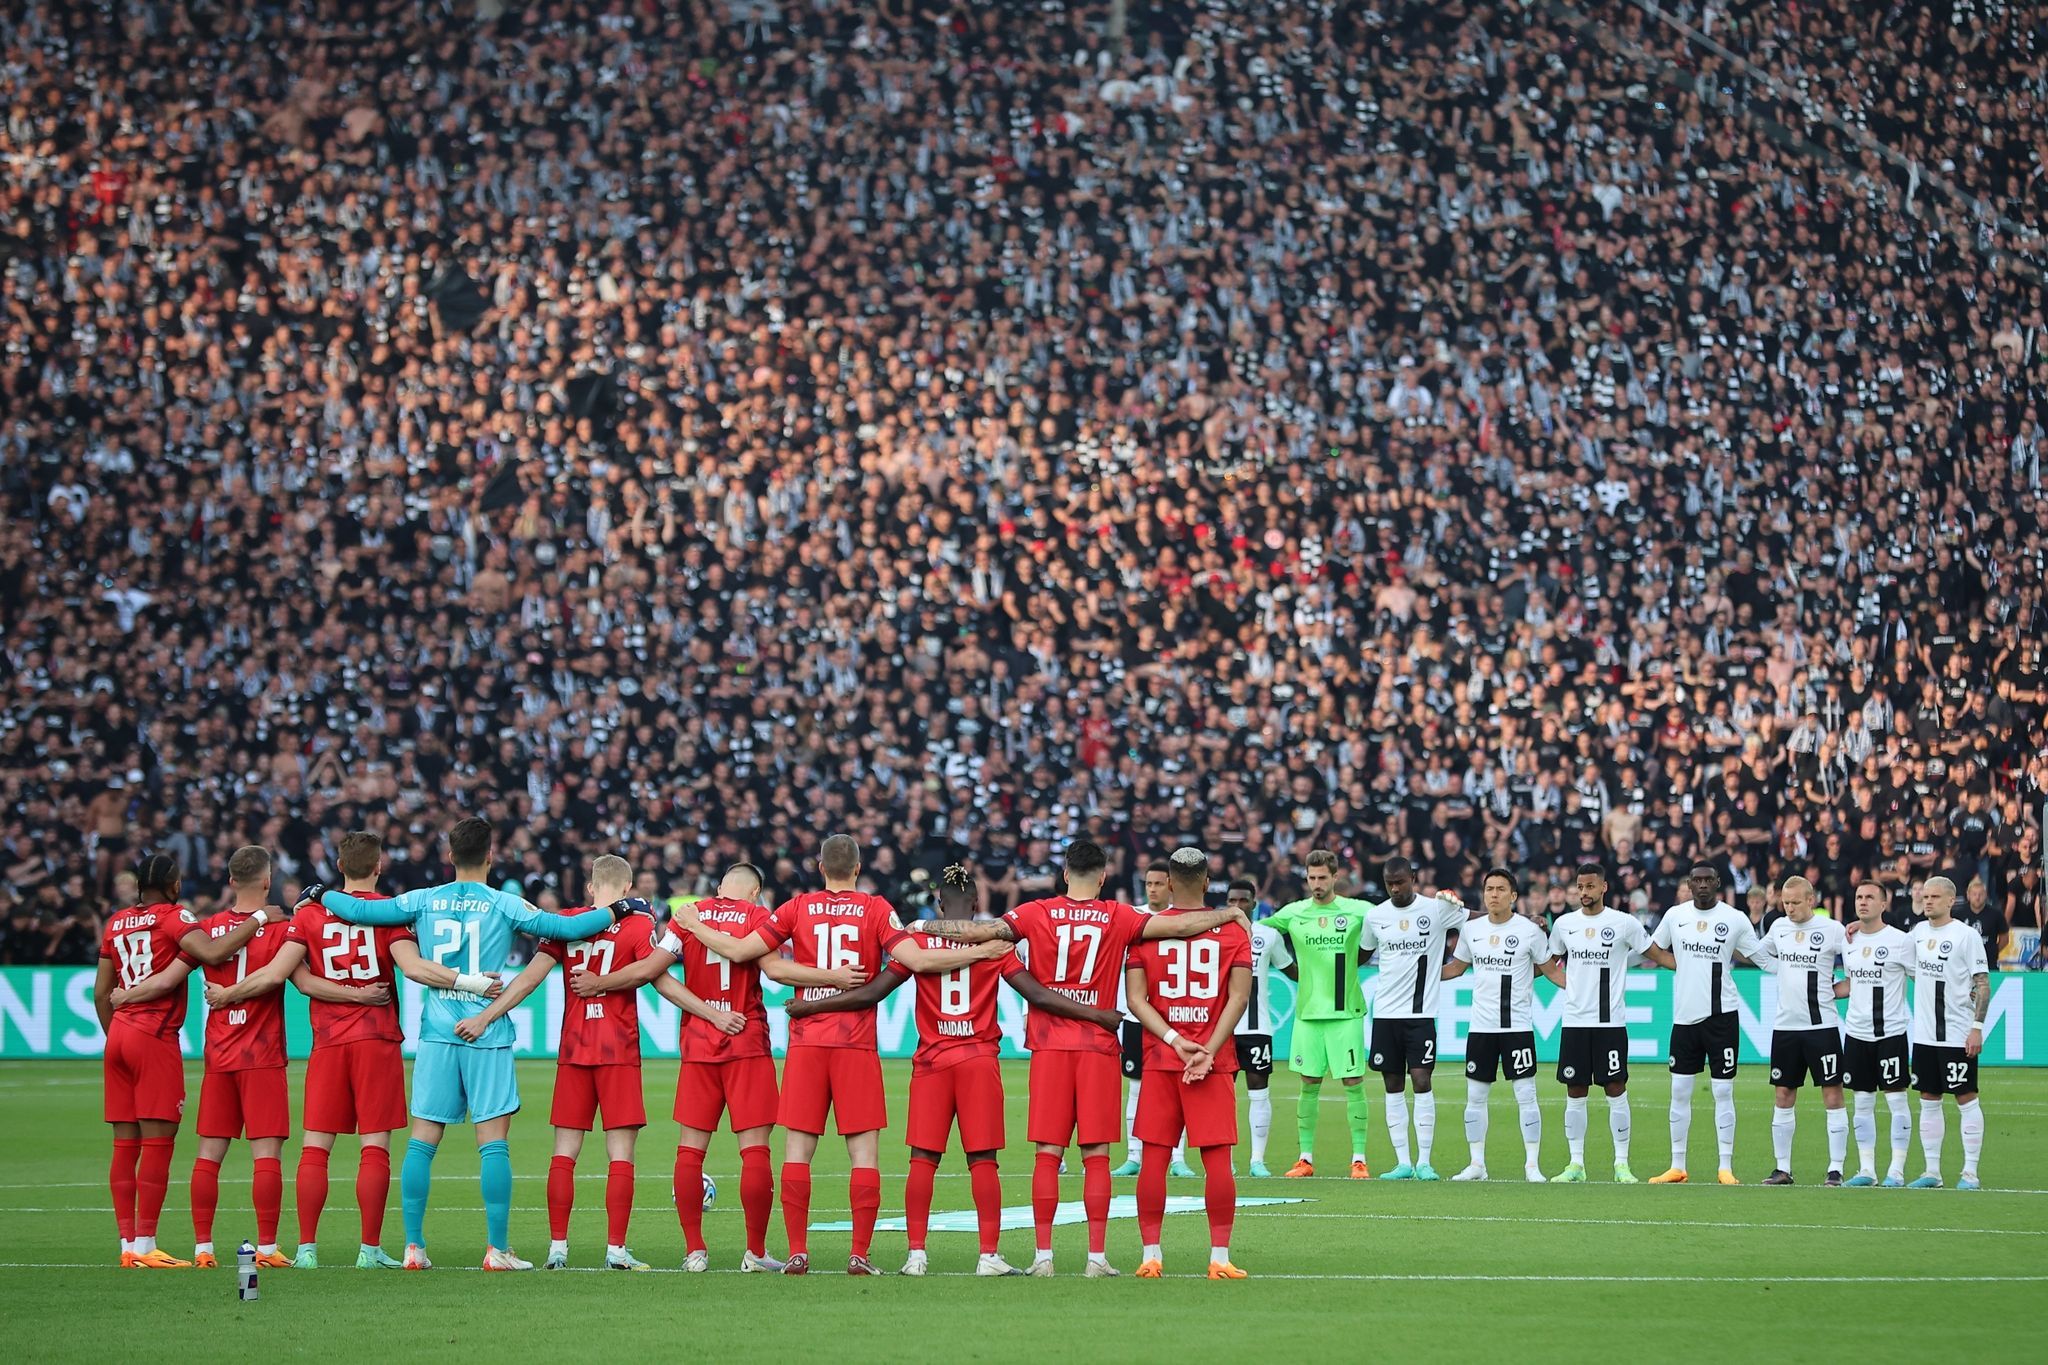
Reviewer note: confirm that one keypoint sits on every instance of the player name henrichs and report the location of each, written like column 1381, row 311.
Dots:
column 1188, row 1014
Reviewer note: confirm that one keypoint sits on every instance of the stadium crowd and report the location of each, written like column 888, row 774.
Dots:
column 1380, row 427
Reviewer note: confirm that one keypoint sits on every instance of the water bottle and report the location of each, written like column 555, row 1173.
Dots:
column 245, row 1271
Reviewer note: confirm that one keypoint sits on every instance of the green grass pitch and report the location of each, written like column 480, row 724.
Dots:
column 1502, row 1271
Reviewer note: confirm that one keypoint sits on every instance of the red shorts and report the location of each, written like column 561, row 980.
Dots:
column 1076, row 1096
column 1207, row 1109
column 355, row 1087
column 254, row 1103
column 970, row 1090
column 581, row 1091
column 743, row 1089
column 142, row 1077
column 845, row 1080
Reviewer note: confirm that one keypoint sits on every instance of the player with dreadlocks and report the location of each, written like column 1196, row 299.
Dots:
column 954, row 1075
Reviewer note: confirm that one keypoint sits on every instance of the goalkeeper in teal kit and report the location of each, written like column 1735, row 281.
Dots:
column 464, row 1071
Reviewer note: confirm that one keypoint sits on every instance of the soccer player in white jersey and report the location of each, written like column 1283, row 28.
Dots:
column 1504, row 952
column 1595, row 945
column 1408, row 932
column 1806, row 1039
column 1270, row 953
column 1132, row 1039
column 1877, row 962
column 1702, row 940
column 1951, row 994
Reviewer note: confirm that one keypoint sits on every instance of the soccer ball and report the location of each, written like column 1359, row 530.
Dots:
column 710, row 1192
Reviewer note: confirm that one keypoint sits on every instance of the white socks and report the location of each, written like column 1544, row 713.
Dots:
column 1619, row 1119
column 1972, row 1114
column 1866, row 1132
column 1397, row 1125
column 1902, row 1130
column 1262, row 1122
column 1724, row 1121
column 1681, row 1118
column 1933, row 1130
column 1151, row 1252
column 1784, row 1122
column 1219, row 1255
column 556, row 1248
column 1180, row 1149
column 1133, row 1148
column 1425, row 1125
column 1838, row 1138
column 1532, row 1120
column 1475, row 1119
column 1575, row 1127
column 202, row 1248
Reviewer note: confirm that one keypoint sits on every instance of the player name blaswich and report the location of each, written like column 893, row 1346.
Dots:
column 1188, row 1014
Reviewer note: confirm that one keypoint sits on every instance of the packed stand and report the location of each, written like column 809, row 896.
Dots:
column 1382, row 428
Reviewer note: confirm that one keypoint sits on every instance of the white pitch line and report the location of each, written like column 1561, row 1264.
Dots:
column 1637, row 1222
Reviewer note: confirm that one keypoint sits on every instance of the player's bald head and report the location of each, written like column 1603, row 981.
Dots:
column 742, row 881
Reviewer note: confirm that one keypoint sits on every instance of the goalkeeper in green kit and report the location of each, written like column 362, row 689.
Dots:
column 1329, row 1007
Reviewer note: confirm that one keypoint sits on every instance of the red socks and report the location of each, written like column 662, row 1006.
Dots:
column 917, row 1200
column 205, row 1194
column 1152, row 1192
column 311, row 1186
column 796, row 1206
column 988, row 1204
column 690, row 1196
column 121, row 1179
column 1045, row 1196
column 561, row 1196
column 1219, row 1194
column 864, row 1197
column 618, row 1201
column 267, row 1194
column 757, row 1195
column 152, row 1181
column 373, row 1191
column 1095, row 1198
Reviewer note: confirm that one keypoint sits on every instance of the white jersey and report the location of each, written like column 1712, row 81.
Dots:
column 1270, row 953
column 1803, row 956
column 1410, row 941
column 1705, row 943
column 1944, row 961
column 1504, row 959
column 1878, row 963
column 1597, row 950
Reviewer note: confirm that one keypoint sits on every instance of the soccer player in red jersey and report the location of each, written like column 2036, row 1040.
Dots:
column 833, row 1063
column 955, row 1075
column 1189, row 993
column 146, row 951
column 723, row 1072
column 355, row 1079
column 597, row 1064
column 1075, row 945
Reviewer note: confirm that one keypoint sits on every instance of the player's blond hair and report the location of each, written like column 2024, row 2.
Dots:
column 1797, row 884
column 609, row 869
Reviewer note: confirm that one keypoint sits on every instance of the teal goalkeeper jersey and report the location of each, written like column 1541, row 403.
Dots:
column 1326, row 954
column 465, row 927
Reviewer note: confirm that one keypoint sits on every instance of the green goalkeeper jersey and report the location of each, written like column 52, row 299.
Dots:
column 1325, row 942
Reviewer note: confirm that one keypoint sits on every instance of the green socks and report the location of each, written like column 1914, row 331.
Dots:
column 1305, row 1117
column 1356, row 1114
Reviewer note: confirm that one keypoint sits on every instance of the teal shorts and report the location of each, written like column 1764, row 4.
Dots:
column 460, row 1082
column 1328, row 1047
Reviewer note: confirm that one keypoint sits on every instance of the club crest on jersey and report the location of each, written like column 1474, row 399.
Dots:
column 1343, row 923
column 1720, row 931
column 1946, row 947
column 1606, row 935
column 188, row 917
column 1815, row 938
column 1882, row 953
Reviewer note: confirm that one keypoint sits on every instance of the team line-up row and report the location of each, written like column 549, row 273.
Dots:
column 1176, row 997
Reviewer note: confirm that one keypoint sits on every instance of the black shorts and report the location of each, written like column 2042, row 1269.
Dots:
column 1132, row 1036
column 1592, row 1055
column 1800, row 1053
column 1255, row 1054
column 1709, row 1044
column 1870, row 1065
column 1400, row 1045
column 1489, row 1054
column 1943, row 1071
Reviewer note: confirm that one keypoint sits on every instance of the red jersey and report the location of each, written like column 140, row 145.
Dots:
column 141, row 941
column 249, row 1035
column 605, row 1029
column 833, row 930
column 1188, row 980
column 353, row 955
column 1076, row 948
column 956, row 1010
column 732, row 986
